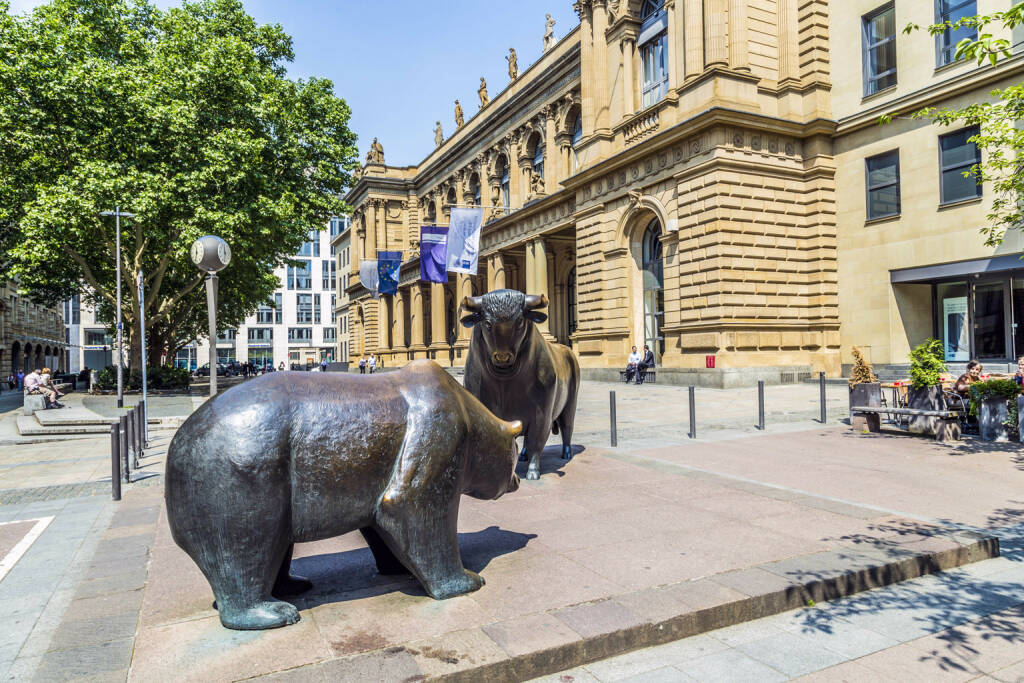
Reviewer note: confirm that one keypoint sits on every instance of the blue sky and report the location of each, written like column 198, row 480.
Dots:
column 401, row 65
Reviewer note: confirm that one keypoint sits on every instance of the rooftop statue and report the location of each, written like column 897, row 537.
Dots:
column 459, row 118
column 438, row 135
column 513, row 64
column 484, row 97
column 376, row 153
column 549, row 33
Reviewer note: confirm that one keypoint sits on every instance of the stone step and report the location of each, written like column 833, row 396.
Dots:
column 71, row 416
column 52, row 423
column 29, row 426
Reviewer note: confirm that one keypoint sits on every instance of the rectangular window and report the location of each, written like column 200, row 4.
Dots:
column 311, row 247
column 97, row 338
column 316, row 308
column 265, row 314
column 330, row 335
column 226, row 336
column 879, row 36
column 953, row 11
column 300, row 277
column 300, row 334
column 654, row 58
column 334, row 304
column 883, row 185
column 278, row 308
column 303, row 308
column 261, row 334
column 957, row 156
column 330, row 275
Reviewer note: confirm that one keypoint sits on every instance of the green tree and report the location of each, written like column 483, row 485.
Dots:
column 184, row 117
column 1000, row 137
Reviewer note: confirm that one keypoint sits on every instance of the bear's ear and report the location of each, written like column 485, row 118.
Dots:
column 535, row 316
column 471, row 319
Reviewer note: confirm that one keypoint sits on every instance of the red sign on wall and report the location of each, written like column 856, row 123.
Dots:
column 709, row 361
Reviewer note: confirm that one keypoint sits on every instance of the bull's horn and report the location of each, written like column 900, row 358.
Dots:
column 536, row 301
column 472, row 303
column 515, row 428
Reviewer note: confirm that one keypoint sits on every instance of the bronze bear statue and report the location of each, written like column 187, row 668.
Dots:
column 296, row 457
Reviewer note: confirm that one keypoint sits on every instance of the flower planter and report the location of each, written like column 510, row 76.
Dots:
column 865, row 394
column 929, row 398
column 991, row 415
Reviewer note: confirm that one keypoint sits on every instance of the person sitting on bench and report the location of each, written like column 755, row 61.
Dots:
column 646, row 364
column 631, row 364
column 34, row 385
column 47, row 380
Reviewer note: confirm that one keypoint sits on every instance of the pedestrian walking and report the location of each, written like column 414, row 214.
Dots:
column 362, row 365
column 372, row 363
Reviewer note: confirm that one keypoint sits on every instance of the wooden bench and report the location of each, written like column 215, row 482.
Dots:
column 949, row 420
column 650, row 376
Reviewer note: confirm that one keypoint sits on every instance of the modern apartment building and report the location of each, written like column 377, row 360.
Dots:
column 341, row 245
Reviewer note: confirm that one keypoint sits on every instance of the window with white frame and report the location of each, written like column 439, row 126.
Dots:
column 653, row 44
column 879, row 37
column 300, row 334
column 303, row 308
column 316, row 308
column 300, row 277
column 952, row 11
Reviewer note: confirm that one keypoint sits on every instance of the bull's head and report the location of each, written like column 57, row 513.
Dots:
column 503, row 318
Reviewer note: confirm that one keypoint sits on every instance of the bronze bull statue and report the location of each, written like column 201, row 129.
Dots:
column 296, row 457
column 517, row 374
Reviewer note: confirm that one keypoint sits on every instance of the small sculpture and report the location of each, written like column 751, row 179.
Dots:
column 513, row 64
column 438, row 135
column 549, row 33
column 376, row 153
column 514, row 371
column 295, row 457
column 459, row 118
column 482, row 92
column 536, row 183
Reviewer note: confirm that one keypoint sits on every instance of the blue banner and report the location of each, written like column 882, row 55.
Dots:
column 433, row 253
column 389, row 263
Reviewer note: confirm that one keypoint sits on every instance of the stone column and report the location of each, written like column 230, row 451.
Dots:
column 371, row 229
column 514, row 175
column 381, row 232
column 675, row 77
column 601, row 66
column 355, row 244
column 550, row 152
column 383, row 324
column 716, row 52
column 693, row 16
column 539, row 278
column 628, row 89
column 587, row 66
column 496, row 272
column 464, row 288
column 418, row 339
column 438, row 334
column 788, row 41
column 739, row 49
column 531, row 266
column 398, row 337
column 677, row 41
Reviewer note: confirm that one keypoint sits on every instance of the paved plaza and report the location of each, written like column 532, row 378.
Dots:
column 803, row 550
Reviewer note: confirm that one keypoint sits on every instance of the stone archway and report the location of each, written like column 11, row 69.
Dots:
column 640, row 231
column 16, row 358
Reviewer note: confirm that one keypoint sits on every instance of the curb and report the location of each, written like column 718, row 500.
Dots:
column 796, row 584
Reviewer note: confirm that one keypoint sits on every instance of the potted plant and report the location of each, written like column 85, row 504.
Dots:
column 927, row 365
column 989, row 401
column 865, row 390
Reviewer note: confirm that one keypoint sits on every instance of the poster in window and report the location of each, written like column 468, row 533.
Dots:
column 955, row 330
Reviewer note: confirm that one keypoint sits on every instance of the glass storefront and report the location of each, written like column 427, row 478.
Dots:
column 981, row 317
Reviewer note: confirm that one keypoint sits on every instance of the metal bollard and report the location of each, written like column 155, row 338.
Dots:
column 131, row 440
column 115, row 462
column 693, row 413
column 137, row 432
column 123, row 439
column 145, row 424
column 760, row 404
column 615, row 435
column 824, row 410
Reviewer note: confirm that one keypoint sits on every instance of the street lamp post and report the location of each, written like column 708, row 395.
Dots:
column 118, row 214
column 211, row 254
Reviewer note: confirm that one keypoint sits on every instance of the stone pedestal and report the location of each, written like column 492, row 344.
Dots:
column 991, row 415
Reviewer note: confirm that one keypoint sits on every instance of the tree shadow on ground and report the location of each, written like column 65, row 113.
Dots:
column 966, row 611
column 352, row 574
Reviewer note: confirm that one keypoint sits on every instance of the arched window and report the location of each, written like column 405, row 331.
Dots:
column 654, row 288
column 474, row 185
column 653, row 44
column 572, row 310
column 577, row 135
column 505, row 187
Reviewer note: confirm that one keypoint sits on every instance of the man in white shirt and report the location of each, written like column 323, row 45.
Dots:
column 372, row 363
column 631, row 364
column 34, row 385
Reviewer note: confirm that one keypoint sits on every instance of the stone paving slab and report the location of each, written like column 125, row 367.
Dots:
column 599, row 557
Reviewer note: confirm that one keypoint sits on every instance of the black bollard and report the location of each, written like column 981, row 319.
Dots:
column 123, row 430
column 115, row 462
column 615, row 435
column 824, row 411
column 693, row 414
column 132, row 453
column 760, row 404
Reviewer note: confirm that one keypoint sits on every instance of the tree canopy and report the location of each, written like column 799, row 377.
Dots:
column 183, row 117
column 1000, row 136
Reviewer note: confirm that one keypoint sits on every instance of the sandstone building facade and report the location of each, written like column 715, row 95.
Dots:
column 668, row 173
column 31, row 335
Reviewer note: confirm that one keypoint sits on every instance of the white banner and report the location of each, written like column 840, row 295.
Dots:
column 369, row 276
column 464, row 240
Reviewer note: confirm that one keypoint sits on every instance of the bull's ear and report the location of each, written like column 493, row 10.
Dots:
column 471, row 319
column 535, row 316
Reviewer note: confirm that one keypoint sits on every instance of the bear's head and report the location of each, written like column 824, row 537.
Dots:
column 491, row 457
